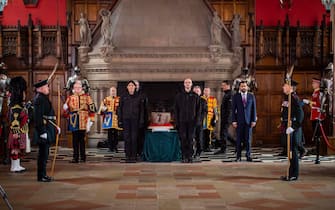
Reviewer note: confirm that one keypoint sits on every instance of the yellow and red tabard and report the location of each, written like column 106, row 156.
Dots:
column 316, row 105
column 81, row 107
column 212, row 112
column 110, row 119
column 18, row 127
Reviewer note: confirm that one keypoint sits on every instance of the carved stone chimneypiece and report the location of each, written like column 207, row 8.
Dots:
column 155, row 41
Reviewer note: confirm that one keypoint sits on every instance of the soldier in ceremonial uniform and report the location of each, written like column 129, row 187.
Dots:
column 18, row 122
column 108, row 109
column 45, row 129
column 80, row 110
column 211, row 118
column 315, row 103
column 297, row 116
column 301, row 149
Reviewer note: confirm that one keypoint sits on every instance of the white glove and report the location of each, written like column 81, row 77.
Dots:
column 44, row 136
column 58, row 130
column 65, row 106
column 306, row 101
column 104, row 108
column 89, row 125
column 289, row 130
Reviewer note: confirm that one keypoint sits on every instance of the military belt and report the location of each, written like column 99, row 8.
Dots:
column 285, row 120
column 49, row 117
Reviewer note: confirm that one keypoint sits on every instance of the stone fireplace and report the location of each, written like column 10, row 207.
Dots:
column 158, row 41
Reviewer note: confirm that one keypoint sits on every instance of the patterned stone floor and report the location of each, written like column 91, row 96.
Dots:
column 216, row 183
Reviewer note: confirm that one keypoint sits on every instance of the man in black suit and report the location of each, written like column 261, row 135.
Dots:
column 199, row 141
column 226, row 117
column 244, row 119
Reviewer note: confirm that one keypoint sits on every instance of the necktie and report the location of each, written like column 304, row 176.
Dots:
column 244, row 99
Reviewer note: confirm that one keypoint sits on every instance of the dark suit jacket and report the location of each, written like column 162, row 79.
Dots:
column 244, row 114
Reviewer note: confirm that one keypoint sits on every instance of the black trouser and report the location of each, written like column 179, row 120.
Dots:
column 186, row 133
column 294, row 162
column 299, row 136
column 140, row 142
column 42, row 158
column 130, row 135
column 206, row 138
column 243, row 135
column 317, row 127
column 199, row 140
column 78, row 143
column 112, row 139
column 4, row 140
column 225, row 136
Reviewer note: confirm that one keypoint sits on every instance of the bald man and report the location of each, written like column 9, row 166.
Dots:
column 187, row 117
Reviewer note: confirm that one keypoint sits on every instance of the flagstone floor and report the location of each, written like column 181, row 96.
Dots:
column 216, row 183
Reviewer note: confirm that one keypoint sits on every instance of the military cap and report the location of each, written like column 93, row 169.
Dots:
column 293, row 82
column 316, row 80
column 41, row 83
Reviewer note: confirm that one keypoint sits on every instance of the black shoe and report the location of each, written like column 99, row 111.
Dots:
column 249, row 159
column 196, row 159
column 207, row 150
column 303, row 153
column 45, row 179
column 83, row 160
column 282, row 153
column 221, row 151
column 130, row 160
column 289, row 179
column 74, row 161
column 238, row 159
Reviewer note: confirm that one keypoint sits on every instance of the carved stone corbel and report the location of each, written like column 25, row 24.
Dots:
column 106, row 50
column 216, row 52
column 83, row 53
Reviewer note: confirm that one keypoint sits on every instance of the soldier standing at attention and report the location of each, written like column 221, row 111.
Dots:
column 45, row 131
column 80, row 110
column 317, row 114
column 297, row 116
column 18, row 122
column 108, row 110
column 211, row 117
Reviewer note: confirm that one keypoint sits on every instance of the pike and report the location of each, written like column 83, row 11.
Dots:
column 53, row 72
column 289, row 121
column 57, row 126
